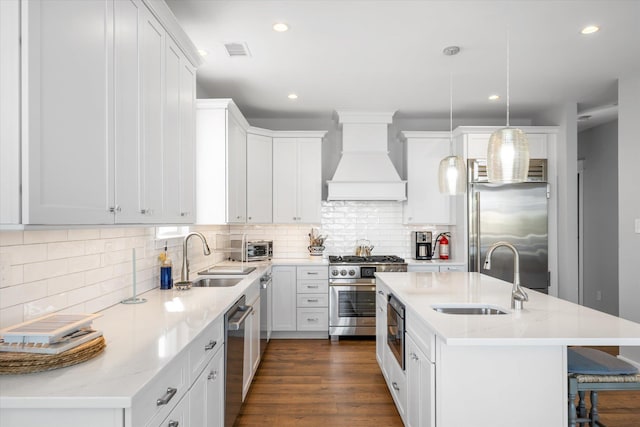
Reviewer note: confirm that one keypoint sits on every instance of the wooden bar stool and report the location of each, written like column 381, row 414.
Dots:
column 594, row 370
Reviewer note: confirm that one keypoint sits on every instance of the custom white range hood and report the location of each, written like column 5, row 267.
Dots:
column 365, row 171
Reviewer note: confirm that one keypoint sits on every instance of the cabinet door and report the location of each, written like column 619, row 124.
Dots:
column 151, row 77
column 186, row 176
column 171, row 165
column 381, row 330
column 259, row 179
column 67, row 122
column 206, row 397
column 309, row 177
column 284, row 298
column 420, row 386
column 236, row 171
column 425, row 204
column 10, row 111
column 255, row 337
column 251, row 346
column 128, row 149
column 285, row 180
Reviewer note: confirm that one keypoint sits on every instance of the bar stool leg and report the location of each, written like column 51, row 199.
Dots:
column 572, row 403
column 594, row 414
column 582, row 406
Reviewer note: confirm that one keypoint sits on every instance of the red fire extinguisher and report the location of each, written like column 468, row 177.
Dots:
column 443, row 248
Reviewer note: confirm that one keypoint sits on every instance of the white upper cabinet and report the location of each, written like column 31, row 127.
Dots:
column 221, row 150
column 259, row 177
column 10, row 111
column 297, row 177
column 425, row 204
column 67, row 122
column 472, row 141
column 107, row 114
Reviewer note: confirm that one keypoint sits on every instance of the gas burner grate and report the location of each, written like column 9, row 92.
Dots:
column 352, row 259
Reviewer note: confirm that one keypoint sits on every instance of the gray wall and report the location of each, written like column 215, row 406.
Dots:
column 598, row 147
column 629, row 203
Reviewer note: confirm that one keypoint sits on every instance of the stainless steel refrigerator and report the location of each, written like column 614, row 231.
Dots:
column 516, row 213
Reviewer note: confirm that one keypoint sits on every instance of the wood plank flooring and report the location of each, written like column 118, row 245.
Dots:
column 316, row 383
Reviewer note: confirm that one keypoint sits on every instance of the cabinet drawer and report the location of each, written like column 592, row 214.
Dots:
column 313, row 286
column 445, row 268
column 145, row 409
column 204, row 346
column 313, row 319
column 313, row 273
column 179, row 416
column 313, row 300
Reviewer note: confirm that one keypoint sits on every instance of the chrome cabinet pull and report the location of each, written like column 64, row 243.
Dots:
column 146, row 211
column 312, row 300
column 171, row 391
column 185, row 213
column 312, row 319
column 212, row 375
column 312, row 286
column 395, row 386
column 380, row 292
column 210, row 346
column 414, row 356
column 173, row 423
column 312, row 273
column 115, row 209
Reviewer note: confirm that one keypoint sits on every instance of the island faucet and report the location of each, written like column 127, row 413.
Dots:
column 184, row 274
column 518, row 295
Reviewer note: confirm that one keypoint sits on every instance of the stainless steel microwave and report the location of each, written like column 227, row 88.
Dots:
column 256, row 250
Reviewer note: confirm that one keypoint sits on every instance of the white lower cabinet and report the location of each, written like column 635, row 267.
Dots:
column 251, row 338
column 420, row 386
column 300, row 298
column 381, row 327
column 206, row 397
column 396, row 381
column 442, row 268
column 284, row 298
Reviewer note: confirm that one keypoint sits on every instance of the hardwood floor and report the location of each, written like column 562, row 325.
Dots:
column 316, row 383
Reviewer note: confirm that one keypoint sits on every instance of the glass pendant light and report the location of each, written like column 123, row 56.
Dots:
column 452, row 178
column 508, row 151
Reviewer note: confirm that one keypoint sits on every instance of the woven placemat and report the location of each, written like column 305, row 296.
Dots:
column 25, row 363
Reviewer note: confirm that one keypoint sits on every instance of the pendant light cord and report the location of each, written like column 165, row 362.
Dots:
column 508, row 53
column 451, row 108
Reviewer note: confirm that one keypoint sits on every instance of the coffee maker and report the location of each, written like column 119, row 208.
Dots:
column 421, row 244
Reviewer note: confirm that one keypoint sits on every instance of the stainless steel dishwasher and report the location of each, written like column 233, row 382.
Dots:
column 234, row 321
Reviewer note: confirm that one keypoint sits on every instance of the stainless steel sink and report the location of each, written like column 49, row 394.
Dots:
column 216, row 282
column 482, row 310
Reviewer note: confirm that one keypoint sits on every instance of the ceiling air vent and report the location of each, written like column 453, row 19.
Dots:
column 236, row 50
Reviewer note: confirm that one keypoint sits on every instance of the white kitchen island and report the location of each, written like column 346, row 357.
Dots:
column 485, row 370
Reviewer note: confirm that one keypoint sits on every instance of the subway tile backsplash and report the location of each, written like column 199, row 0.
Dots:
column 87, row 270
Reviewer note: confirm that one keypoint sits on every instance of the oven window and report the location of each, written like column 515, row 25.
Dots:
column 357, row 303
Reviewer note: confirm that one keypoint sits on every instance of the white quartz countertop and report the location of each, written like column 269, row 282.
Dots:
column 141, row 340
column 545, row 320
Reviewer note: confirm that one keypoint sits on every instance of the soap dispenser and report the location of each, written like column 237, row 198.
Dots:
column 166, row 277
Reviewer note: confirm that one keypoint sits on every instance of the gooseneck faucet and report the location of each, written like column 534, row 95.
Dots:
column 184, row 274
column 518, row 295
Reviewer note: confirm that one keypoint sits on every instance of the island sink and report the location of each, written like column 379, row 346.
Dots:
column 216, row 282
column 483, row 310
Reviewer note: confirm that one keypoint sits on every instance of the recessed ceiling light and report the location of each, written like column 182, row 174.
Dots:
column 494, row 97
column 280, row 27
column 292, row 96
column 590, row 29
column 203, row 52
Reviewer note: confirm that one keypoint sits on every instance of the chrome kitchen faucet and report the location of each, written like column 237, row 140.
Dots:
column 184, row 273
column 518, row 295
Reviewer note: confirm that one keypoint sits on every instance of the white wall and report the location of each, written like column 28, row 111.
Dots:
column 598, row 147
column 629, row 203
column 564, row 165
column 83, row 270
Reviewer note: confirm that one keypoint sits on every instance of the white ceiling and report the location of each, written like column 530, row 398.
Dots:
column 387, row 55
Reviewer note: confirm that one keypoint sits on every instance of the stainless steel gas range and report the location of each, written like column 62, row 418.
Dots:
column 352, row 292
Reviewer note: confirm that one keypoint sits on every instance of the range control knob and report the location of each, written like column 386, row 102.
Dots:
column 352, row 272
column 343, row 272
column 334, row 272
